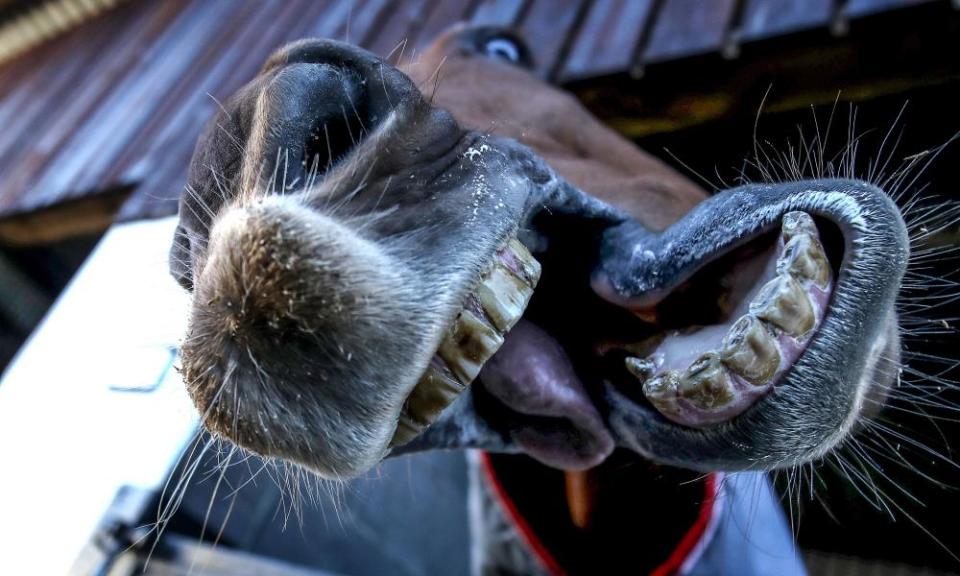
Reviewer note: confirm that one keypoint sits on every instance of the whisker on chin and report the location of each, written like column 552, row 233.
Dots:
column 223, row 467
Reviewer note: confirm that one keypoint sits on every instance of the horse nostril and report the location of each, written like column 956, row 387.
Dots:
column 316, row 102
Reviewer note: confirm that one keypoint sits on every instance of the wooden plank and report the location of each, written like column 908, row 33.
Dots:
column 860, row 8
column 547, row 26
column 687, row 28
column 498, row 12
column 389, row 37
column 769, row 18
column 607, row 41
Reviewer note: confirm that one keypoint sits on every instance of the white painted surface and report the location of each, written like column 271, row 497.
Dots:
column 69, row 435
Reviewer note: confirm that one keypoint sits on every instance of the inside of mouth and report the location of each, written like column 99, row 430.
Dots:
column 700, row 356
column 711, row 347
column 729, row 334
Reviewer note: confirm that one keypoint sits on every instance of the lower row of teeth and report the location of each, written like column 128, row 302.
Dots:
column 782, row 317
column 489, row 312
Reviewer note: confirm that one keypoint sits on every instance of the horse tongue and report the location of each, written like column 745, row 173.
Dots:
column 557, row 423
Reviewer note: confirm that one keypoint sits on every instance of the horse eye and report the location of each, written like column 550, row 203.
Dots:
column 502, row 48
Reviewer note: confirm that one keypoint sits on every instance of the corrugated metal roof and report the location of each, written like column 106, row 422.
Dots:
column 119, row 101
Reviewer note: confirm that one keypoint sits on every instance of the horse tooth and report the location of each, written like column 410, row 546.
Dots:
column 750, row 350
column 434, row 392
column 407, row 429
column 468, row 344
column 528, row 269
column 706, row 383
column 784, row 303
column 661, row 391
column 803, row 257
column 504, row 296
column 797, row 222
column 641, row 368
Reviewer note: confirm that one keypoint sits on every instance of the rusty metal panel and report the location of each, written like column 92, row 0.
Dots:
column 361, row 18
column 120, row 99
column 390, row 36
column 607, row 41
column 858, row 8
column 689, row 28
column 442, row 16
column 769, row 18
column 179, row 109
column 165, row 86
column 498, row 12
column 122, row 112
column 547, row 27
column 159, row 164
column 27, row 111
column 327, row 19
column 53, row 112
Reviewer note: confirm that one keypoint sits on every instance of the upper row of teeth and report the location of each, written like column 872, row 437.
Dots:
column 751, row 348
column 489, row 312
